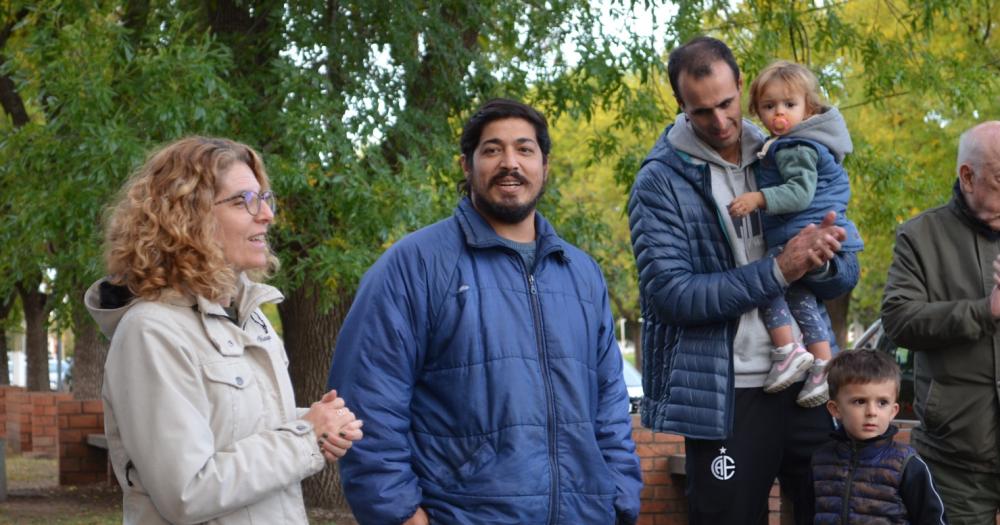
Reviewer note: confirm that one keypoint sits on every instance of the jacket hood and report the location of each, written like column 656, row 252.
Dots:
column 108, row 303
column 827, row 128
column 681, row 137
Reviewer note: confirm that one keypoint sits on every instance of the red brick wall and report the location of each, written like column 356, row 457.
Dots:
column 663, row 500
column 4, row 390
column 30, row 418
column 80, row 463
column 45, row 423
column 18, row 406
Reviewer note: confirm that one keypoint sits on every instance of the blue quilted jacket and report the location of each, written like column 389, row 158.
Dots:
column 692, row 295
column 490, row 394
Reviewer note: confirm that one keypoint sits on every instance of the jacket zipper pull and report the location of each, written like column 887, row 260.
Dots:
column 531, row 284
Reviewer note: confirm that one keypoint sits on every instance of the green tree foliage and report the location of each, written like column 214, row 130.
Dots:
column 96, row 95
column 356, row 106
column 908, row 76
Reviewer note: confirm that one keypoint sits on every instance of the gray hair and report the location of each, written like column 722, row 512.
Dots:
column 973, row 145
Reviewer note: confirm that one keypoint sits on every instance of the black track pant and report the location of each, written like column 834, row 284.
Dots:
column 728, row 481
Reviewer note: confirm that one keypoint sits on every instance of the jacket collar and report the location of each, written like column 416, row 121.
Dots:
column 249, row 297
column 868, row 447
column 961, row 208
column 479, row 234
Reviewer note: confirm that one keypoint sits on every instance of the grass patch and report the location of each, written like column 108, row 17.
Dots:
column 35, row 498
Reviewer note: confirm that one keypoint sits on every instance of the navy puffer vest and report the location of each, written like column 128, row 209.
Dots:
column 833, row 191
column 858, row 482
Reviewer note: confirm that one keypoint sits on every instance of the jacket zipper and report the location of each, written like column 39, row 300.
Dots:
column 536, row 314
column 845, row 508
column 706, row 194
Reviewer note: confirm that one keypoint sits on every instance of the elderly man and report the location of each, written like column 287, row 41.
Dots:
column 702, row 276
column 942, row 301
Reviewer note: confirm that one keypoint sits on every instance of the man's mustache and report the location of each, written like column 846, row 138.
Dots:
column 516, row 175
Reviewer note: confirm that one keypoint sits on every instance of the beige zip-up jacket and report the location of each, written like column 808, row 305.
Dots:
column 199, row 412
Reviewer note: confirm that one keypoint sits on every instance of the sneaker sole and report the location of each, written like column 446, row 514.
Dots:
column 813, row 401
column 791, row 375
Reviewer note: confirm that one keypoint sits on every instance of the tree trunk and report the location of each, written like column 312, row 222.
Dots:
column 310, row 334
column 6, row 306
column 4, row 363
column 36, row 337
column 633, row 331
column 838, row 308
column 88, row 358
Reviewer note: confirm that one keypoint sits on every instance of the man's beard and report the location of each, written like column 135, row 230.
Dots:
column 499, row 211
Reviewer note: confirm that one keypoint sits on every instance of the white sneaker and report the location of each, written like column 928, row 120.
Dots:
column 816, row 391
column 788, row 363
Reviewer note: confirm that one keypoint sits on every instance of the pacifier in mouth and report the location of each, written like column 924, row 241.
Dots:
column 779, row 124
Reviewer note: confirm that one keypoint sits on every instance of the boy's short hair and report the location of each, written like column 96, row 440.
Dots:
column 861, row 367
column 796, row 76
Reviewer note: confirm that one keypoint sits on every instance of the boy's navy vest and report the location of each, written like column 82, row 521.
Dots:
column 858, row 483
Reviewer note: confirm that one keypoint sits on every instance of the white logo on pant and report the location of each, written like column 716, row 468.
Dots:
column 723, row 466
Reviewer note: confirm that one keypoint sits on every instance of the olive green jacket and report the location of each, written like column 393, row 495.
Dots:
column 936, row 304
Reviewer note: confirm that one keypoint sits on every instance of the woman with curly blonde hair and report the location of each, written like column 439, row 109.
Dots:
column 199, row 411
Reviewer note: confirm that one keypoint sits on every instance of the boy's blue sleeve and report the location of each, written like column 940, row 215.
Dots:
column 920, row 497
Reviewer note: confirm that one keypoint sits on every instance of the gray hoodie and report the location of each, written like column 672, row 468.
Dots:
column 752, row 345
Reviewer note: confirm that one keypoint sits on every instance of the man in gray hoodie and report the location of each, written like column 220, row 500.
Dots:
column 702, row 276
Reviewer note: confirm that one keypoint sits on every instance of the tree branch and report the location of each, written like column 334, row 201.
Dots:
column 873, row 100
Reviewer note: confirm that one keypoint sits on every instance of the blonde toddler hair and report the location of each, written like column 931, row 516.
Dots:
column 795, row 76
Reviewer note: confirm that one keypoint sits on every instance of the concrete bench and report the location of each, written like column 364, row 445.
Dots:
column 97, row 440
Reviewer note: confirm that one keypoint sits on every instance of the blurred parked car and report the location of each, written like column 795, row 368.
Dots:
column 633, row 383
column 54, row 374
column 875, row 339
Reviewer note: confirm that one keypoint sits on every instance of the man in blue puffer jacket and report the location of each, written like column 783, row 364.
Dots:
column 480, row 353
column 702, row 276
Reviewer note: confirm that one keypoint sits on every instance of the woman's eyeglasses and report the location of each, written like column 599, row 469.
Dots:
column 251, row 201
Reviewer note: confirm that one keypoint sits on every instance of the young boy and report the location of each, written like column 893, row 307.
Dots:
column 863, row 476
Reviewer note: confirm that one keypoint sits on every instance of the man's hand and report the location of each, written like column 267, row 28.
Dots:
column 995, row 294
column 746, row 204
column 811, row 248
column 418, row 518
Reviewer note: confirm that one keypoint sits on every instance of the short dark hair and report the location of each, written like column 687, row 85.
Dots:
column 860, row 367
column 696, row 58
column 499, row 109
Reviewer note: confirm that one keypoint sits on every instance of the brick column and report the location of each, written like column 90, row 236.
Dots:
column 44, row 422
column 80, row 463
column 663, row 500
column 4, row 390
column 18, row 404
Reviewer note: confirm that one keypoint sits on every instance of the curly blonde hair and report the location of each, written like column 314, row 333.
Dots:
column 161, row 233
column 795, row 76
